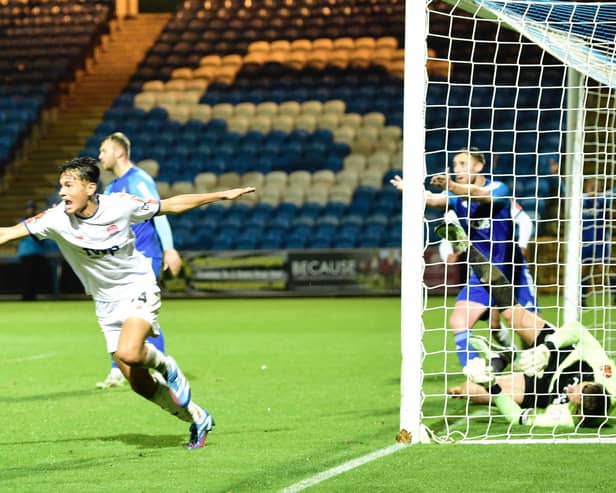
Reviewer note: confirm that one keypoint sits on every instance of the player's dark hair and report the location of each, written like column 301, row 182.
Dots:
column 122, row 140
column 595, row 405
column 85, row 168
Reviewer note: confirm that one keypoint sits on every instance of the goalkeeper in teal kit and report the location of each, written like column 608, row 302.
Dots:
column 566, row 378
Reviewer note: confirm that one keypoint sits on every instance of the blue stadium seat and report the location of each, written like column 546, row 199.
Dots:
column 310, row 209
column 224, row 239
column 281, row 222
column 320, row 241
column 527, row 119
column 334, row 209
column 271, row 240
column 436, row 117
column 458, row 117
column 369, row 240
column 303, row 220
column 286, row 209
column 344, row 240
column 352, row 220
column 526, row 142
column 437, row 94
column 435, row 140
column 550, row 141
column 482, row 96
column 459, row 95
column 505, row 97
column 296, row 241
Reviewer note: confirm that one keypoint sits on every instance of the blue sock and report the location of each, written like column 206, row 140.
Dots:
column 157, row 342
column 464, row 351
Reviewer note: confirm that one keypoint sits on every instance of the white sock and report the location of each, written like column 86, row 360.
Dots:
column 195, row 411
column 163, row 399
column 155, row 359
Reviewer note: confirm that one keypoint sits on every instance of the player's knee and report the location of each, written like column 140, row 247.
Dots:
column 458, row 323
column 130, row 355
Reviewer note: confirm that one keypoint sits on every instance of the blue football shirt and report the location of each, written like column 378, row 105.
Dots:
column 137, row 182
column 489, row 226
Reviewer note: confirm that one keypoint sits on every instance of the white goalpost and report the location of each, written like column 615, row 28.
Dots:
column 532, row 85
column 412, row 297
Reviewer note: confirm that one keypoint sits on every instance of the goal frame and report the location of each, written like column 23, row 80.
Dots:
column 413, row 292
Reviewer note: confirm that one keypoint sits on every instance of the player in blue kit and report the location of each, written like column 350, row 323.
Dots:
column 154, row 238
column 483, row 208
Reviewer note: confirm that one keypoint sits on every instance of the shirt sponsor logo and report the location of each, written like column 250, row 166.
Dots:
column 93, row 252
column 112, row 229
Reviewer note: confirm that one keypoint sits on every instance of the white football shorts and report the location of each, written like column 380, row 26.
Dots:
column 112, row 314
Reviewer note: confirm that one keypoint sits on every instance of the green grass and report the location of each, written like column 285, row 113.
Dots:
column 297, row 386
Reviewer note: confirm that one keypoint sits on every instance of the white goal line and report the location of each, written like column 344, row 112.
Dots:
column 346, row 466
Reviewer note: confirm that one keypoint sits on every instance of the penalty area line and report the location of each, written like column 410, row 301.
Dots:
column 342, row 468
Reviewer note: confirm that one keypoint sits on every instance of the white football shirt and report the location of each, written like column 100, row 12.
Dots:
column 101, row 248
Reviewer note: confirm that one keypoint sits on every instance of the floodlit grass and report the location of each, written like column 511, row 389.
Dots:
column 297, row 386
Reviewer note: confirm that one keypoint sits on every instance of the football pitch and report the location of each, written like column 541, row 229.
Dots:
column 300, row 389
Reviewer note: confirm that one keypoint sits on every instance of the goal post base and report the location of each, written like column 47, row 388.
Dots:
column 405, row 436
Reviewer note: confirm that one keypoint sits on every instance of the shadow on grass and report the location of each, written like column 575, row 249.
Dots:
column 138, row 440
column 69, row 394
column 142, row 441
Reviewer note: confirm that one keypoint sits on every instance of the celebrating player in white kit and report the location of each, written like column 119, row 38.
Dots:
column 93, row 233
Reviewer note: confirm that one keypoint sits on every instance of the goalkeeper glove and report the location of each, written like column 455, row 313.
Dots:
column 478, row 371
column 534, row 360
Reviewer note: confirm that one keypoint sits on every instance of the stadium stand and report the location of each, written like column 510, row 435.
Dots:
column 229, row 88
column 42, row 45
column 256, row 100
column 59, row 110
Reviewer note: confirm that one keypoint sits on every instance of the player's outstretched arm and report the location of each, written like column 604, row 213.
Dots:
column 13, row 233
column 186, row 202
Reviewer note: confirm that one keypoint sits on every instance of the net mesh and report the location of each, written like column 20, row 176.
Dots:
column 498, row 81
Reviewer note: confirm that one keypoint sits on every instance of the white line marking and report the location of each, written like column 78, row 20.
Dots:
column 360, row 461
column 347, row 466
column 34, row 357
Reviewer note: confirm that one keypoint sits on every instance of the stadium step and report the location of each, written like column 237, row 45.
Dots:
column 63, row 130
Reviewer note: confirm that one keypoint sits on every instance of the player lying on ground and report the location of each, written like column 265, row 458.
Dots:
column 94, row 234
column 566, row 376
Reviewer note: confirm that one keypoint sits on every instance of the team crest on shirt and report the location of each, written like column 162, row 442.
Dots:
column 607, row 371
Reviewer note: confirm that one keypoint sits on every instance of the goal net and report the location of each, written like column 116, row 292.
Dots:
column 530, row 84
